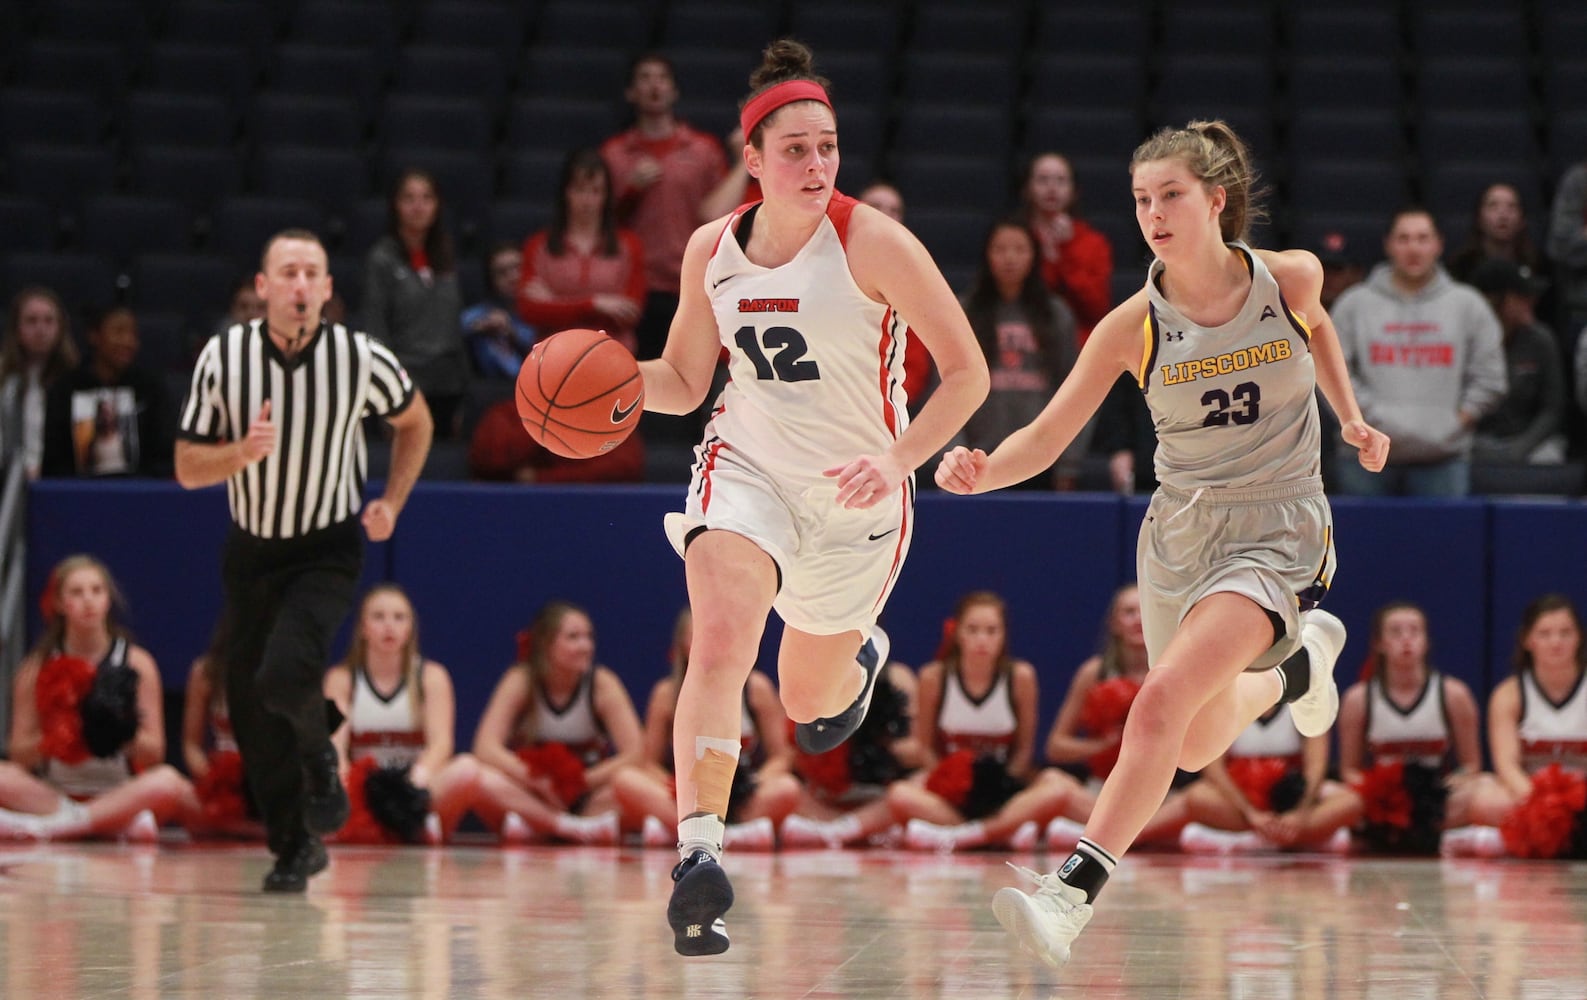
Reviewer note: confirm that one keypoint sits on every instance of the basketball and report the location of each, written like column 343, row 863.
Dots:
column 579, row 393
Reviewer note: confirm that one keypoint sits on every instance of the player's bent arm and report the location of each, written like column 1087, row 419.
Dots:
column 440, row 724
column 1116, row 345
column 658, row 721
column 1026, row 696
column 412, row 429
column 1299, row 277
column 148, row 743
column 890, row 265
column 195, row 720
column 202, row 463
column 677, row 381
column 1064, row 744
column 615, row 710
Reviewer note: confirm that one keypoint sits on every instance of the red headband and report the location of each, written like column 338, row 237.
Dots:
column 772, row 98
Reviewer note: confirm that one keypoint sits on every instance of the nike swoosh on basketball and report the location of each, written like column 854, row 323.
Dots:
column 877, row 538
column 621, row 412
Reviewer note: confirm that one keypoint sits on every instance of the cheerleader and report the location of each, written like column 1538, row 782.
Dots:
column 209, row 749
column 764, row 793
column 1537, row 736
column 978, row 718
column 1408, row 739
column 87, row 725
column 1269, row 790
column 557, row 730
column 395, row 748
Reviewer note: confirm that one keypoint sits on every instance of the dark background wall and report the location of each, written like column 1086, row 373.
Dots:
column 478, row 560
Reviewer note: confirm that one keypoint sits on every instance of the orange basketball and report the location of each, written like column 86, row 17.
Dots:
column 579, row 393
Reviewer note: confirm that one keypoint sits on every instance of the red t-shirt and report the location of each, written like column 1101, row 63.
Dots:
column 666, row 213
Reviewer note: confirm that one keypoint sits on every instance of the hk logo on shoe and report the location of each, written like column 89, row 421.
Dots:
column 693, row 931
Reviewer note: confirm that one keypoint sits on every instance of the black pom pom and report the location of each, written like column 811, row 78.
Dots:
column 990, row 789
column 110, row 710
column 395, row 803
column 1286, row 792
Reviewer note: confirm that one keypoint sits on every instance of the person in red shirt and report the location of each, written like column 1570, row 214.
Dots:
column 1076, row 260
column 582, row 270
column 663, row 169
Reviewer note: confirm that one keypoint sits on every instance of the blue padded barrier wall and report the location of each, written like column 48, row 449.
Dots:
column 1537, row 548
column 478, row 560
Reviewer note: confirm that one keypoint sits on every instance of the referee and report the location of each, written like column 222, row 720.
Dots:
column 275, row 412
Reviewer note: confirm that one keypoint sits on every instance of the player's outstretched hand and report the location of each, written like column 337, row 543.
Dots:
column 1372, row 444
column 960, row 470
column 867, row 481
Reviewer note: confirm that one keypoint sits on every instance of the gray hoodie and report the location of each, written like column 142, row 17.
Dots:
column 1418, row 360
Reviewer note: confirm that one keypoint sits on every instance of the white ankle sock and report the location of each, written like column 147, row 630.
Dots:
column 701, row 833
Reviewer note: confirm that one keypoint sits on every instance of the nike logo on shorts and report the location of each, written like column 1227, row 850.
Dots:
column 877, row 538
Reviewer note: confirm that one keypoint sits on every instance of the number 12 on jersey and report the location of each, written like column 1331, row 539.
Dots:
column 786, row 347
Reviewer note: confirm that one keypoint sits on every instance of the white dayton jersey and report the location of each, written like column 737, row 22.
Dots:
column 1418, row 734
column 1233, row 405
column 815, row 365
column 1553, row 733
column 387, row 727
column 985, row 725
column 1272, row 735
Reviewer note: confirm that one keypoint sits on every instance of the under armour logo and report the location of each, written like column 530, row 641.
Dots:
column 693, row 931
column 1174, row 335
column 1267, row 313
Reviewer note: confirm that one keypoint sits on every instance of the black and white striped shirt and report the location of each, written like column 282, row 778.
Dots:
column 315, row 477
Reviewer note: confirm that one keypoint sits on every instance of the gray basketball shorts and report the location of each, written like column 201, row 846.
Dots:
column 1273, row 544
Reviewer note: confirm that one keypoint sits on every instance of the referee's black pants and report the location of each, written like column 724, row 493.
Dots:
column 285, row 599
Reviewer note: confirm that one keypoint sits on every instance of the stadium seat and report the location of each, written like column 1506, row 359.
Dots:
column 119, row 227
column 177, row 119
column 194, row 176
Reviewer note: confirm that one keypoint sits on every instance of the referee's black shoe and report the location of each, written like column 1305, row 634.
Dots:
column 294, row 867
column 325, row 805
column 825, row 733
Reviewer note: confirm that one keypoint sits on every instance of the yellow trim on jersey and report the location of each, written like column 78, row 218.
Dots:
column 1146, row 349
column 1298, row 320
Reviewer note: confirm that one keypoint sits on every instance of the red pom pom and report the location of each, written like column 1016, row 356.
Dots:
column 1542, row 826
column 825, row 774
column 950, row 640
column 62, row 683
column 525, row 640
column 1106, row 706
column 559, row 763
column 220, row 790
column 1384, row 798
column 952, row 777
column 361, row 826
column 1256, row 776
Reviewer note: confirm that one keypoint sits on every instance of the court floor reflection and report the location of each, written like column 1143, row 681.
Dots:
column 182, row 921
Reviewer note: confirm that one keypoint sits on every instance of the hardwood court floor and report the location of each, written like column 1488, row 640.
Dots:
column 180, row 921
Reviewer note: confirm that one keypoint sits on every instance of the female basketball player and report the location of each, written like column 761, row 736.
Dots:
column 802, row 492
column 1228, row 344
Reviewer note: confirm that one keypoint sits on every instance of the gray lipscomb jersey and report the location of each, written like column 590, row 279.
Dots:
column 1233, row 405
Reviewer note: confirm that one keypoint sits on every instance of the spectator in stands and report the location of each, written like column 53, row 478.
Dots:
column 1123, row 435
column 87, row 717
column 36, row 350
column 412, row 299
column 662, row 171
column 558, row 728
column 885, row 198
column 1341, row 268
column 400, row 719
column 764, row 792
column 1498, row 232
column 110, row 417
column 246, row 305
column 497, row 338
column 1528, row 424
column 1076, row 260
column 1426, row 361
column 1027, row 335
column 1567, row 248
column 583, row 270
